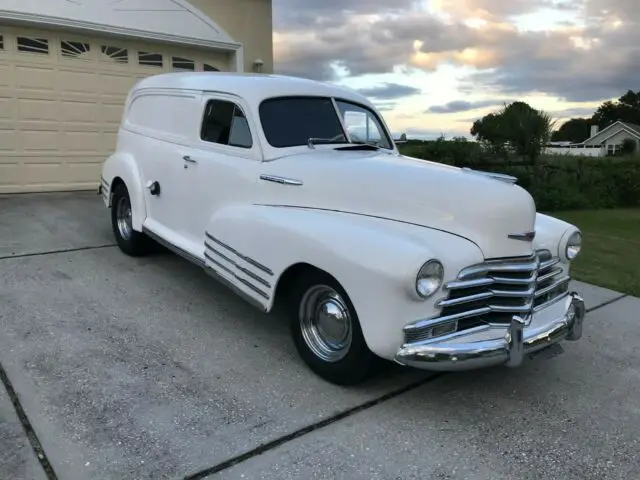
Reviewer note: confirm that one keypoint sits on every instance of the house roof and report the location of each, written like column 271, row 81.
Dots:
column 174, row 21
column 612, row 130
column 632, row 126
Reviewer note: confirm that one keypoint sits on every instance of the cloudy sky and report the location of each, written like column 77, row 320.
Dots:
column 434, row 66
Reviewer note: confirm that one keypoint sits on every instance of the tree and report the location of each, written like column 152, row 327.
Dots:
column 517, row 127
column 575, row 130
column 626, row 109
column 628, row 146
column 490, row 133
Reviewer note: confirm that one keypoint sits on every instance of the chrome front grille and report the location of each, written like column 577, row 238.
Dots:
column 492, row 293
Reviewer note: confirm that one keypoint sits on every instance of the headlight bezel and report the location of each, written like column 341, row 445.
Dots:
column 572, row 246
column 431, row 269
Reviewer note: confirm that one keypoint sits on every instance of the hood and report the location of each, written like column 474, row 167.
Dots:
column 479, row 208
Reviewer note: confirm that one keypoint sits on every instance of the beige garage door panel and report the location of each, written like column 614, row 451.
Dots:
column 61, row 102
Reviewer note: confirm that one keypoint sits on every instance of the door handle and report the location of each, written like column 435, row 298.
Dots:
column 187, row 158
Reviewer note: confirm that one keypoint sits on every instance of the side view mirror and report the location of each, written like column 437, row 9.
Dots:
column 401, row 139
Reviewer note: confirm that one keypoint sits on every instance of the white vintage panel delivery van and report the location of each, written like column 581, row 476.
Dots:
column 290, row 189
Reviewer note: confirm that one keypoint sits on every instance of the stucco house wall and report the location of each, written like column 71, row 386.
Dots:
column 249, row 21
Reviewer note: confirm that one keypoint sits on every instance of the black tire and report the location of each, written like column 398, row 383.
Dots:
column 131, row 242
column 355, row 362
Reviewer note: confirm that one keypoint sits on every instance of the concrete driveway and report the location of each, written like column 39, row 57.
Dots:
column 118, row 368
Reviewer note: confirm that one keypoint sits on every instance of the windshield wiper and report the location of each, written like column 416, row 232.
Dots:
column 323, row 141
column 361, row 146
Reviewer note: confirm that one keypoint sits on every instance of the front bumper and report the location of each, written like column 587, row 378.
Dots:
column 492, row 345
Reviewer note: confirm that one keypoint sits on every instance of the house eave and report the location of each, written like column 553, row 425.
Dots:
column 605, row 138
column 623, row 127
column 102, row 29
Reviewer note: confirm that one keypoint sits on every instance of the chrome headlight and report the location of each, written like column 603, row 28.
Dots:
column 573, row 245
column 429, row 278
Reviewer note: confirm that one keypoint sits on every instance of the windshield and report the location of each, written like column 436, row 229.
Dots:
column 295, row 121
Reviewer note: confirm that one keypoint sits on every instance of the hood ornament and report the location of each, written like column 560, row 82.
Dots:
column 525, row 236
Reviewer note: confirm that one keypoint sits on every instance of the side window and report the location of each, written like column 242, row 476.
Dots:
column 180, row 63
column 74, row 49
column 33, row 45
column 225, row 123
column 150, row 59
column 362, row 124
column 115, row 54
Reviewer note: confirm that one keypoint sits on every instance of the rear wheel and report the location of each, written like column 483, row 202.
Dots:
column 129, row 240
column 326, row 330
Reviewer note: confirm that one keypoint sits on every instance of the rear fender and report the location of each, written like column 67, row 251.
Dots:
column 122, row 167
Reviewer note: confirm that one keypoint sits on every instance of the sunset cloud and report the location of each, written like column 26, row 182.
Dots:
column 473, row 51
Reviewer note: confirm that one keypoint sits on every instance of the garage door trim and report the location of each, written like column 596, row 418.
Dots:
column 211, row 35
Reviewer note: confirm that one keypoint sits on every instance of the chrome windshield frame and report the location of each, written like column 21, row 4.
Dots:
column 345, row 132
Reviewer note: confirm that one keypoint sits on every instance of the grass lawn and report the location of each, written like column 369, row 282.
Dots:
column 610, row 255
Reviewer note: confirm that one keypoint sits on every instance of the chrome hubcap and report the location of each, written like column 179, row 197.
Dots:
column 325, row 323
column 123, row 216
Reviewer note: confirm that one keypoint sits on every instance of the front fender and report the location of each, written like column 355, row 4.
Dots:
column 122, row 166
column 552, row 234
column 375, row 260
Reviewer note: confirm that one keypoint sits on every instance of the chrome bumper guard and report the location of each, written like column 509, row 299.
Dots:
column 453, row 353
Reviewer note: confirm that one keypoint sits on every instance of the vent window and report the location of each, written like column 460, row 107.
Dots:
column 74, row 49
column 33, row 45
column 150, row 59
column 115, row 54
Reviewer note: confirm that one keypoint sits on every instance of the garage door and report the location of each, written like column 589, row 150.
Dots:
column 61, row 98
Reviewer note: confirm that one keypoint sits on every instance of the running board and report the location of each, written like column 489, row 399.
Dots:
column 170, row 246
column 201, row 263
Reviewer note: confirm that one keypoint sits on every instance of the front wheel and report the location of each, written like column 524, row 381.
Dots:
column 326, row 330
column 130, row 241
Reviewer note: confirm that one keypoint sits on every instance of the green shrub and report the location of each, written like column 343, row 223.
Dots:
column 562, row 182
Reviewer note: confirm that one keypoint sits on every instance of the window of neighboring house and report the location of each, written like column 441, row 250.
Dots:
column 33, row 45
column 225, row 123
column 150, row 59
column 1, row 42
column 74, row 49
column 117, row 54
column 180, row 63
column 210, row 68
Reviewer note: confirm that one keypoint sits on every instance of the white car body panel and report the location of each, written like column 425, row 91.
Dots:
column 368, row 218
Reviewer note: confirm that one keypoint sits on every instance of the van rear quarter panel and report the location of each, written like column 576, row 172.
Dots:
column 153, row 120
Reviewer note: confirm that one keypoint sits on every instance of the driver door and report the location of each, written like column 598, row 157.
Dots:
column 223, row 164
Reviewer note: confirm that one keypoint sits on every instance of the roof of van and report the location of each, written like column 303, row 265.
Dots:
column 254, row 87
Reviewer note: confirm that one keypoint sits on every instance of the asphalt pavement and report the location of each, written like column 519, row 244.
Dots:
column 114, row 367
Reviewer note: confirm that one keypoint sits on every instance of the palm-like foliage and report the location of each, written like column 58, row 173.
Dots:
column 516, row 127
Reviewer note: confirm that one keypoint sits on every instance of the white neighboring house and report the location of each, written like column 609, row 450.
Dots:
column 603, row 142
